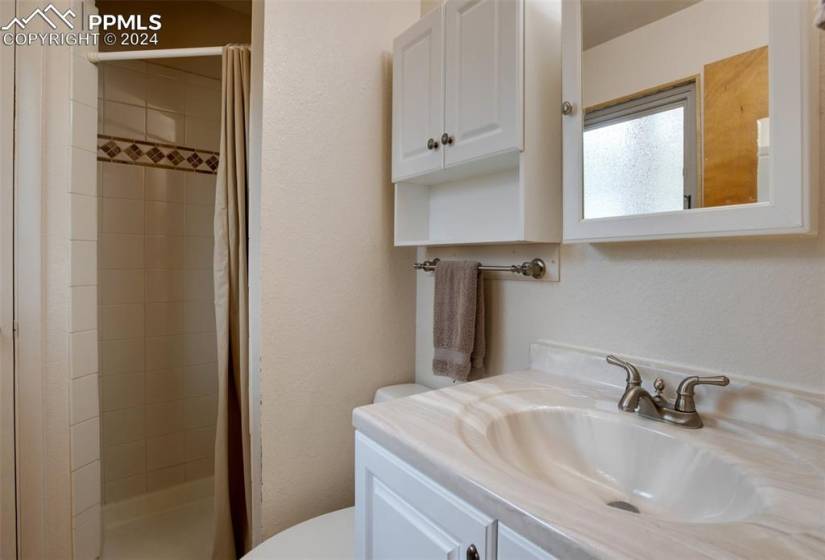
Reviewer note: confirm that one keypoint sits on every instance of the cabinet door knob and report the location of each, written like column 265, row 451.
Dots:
column 432, row 144
column 566, row 108
column 446, row 139
column 472, row 553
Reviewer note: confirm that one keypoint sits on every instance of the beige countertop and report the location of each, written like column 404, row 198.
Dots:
column 444, row 434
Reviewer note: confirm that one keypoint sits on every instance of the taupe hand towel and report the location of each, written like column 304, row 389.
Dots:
column 458, row 319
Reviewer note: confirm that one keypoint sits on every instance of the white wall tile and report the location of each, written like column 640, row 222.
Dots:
column 121, row 321
column 84, row 81
column 83, row 217
column 199, row 285
column 121, row 286
column 84, row 353
column 122, row 356
column 84, row 172
column 85, row 402
column 165, row 93
column 121, row 251
column 125, row 488
column 165, row 352
column 164, row 318
column 203, row 98
column 124, row 85
column 83, row 263
column 199, row 316
column 199, row 469
column 123, row 426
column 200, row 189
column 121, row 391
column 84, row 126
column 122, row 181
column 200, row 411
column 86, row 487
column 201, row 380
column 85, row 440
column 203, row 133
column 83, row 316
column 165, row 451
column 165, row 285
column 164, row 385
column 87, row 534
column 164, row 418
column 166, row 185
column 163, row 251
column 121, row 215
column 124, row 460
column 164, row 218
column 200, row 443
column 164, row 478
column 198, row 253
column 199, row 349
column 162, row 126
column 125, row 121
column 200, row 220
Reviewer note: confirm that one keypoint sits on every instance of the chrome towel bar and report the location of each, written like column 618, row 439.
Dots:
column 534, row 269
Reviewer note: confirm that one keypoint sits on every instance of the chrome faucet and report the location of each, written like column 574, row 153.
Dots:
column 656, row 407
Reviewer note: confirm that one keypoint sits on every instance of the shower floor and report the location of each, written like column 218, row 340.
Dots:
column 183, row 533
column 175, row 523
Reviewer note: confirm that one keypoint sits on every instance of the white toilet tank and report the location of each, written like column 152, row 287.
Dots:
column 397, row 391
column 329, row 535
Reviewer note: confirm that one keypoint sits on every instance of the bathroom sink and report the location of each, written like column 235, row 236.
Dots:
column 613, row 460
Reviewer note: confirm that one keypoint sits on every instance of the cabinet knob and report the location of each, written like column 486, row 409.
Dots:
column 432, row 144
column 472, row 553
column 446, row 139
column 566, row 108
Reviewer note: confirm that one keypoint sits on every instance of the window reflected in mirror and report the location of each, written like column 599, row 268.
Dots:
column 676, row 105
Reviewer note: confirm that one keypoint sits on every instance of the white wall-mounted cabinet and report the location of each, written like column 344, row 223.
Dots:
column 418, row 102
column 400, row 513
column 476, row 154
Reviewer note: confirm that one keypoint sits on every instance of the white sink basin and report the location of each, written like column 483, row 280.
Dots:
column 610, row 458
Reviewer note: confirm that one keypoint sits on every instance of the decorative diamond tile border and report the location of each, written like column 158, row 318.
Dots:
column 154, row 154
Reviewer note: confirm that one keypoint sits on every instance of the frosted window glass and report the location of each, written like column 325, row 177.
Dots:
column 635, row 166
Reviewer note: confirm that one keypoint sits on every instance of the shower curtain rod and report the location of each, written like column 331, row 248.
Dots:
column 96, row 57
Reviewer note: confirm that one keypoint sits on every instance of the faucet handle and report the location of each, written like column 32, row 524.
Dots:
column 685, row 391
column 633, row 377
column 659, row 385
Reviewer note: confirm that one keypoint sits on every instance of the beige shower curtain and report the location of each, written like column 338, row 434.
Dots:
column 232, row 461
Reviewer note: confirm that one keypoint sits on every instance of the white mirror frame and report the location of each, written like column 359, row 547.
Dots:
column 793, row 62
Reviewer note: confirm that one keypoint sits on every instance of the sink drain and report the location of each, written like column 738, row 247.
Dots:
column 618, row 504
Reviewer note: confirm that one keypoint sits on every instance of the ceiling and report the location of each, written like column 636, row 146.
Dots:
column 604, row 20
column 241, row 6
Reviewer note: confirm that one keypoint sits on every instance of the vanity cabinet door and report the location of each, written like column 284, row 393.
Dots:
column 512, row 546
column 401, row 514
column 418, row 99
column 483, row 78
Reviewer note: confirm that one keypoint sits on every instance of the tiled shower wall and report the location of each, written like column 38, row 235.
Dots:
column 158, row 374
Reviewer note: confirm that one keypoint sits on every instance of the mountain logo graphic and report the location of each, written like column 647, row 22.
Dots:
column 43, row 14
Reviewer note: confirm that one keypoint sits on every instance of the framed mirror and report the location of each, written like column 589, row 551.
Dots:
column 689, row 118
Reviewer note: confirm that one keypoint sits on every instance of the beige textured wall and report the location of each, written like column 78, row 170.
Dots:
column 338, row 300
column 750, row 307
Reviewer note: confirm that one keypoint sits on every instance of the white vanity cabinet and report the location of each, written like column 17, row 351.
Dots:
column 476, row 154
column 402, row 514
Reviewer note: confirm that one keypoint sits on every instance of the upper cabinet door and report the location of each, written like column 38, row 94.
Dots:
column 483, row 40
column 418, row 98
